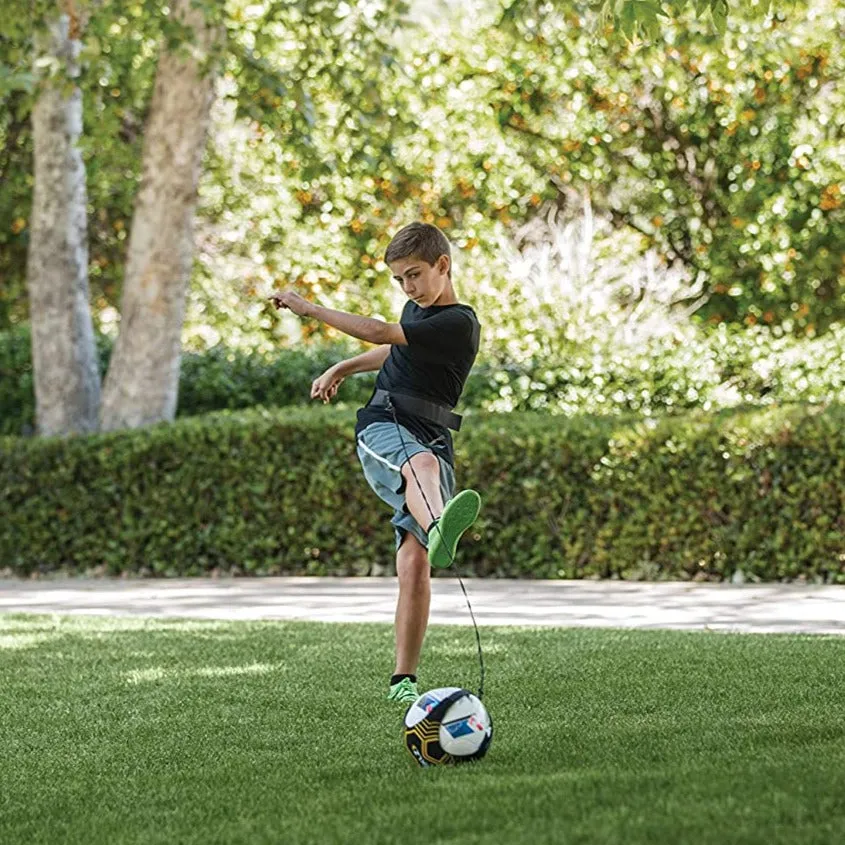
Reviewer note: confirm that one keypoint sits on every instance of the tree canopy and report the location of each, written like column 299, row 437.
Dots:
column 715, row 138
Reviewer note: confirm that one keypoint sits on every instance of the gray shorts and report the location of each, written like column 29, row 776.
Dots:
column 382, row 456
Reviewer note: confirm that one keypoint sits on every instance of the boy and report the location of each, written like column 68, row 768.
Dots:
column 402, row 434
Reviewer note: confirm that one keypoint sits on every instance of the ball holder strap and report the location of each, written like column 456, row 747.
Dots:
column 417, row 406
column 439, row 710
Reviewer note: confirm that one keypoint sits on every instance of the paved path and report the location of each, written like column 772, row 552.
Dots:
column 600, row 604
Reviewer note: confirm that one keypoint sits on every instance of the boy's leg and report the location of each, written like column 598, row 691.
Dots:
column 427, row 468
column 452, row 520
column 411, row 622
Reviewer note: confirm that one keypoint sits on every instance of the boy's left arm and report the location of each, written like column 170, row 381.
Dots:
column 364, row 328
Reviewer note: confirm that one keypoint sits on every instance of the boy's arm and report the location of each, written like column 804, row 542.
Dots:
column 367, row 361
column 364, row 328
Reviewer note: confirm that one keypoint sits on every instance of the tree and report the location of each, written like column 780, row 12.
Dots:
column 143, row 377
column 67, row 379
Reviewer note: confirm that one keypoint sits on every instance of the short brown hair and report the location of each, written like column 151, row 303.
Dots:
column 419, row 240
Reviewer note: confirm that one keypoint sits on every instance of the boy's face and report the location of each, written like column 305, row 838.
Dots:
column 426, row 284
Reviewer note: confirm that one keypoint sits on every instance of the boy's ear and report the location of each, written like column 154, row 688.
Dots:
column 443, row 264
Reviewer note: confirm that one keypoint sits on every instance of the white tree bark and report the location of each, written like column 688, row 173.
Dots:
column 142, row 383
column 64, row 355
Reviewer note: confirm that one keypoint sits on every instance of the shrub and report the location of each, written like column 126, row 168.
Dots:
column 281, row 492
column 214, row 380
column 17, row 388
column 724, row 369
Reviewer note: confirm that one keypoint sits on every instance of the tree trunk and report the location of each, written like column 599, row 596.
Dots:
column 143, row 378
column 64, row 355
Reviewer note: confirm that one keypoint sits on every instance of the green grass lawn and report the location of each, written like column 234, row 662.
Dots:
column 153, row 731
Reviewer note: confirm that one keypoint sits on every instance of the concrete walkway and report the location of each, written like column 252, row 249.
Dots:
column 599, row 604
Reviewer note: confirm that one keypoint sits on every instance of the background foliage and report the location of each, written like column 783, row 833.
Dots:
column 727, row 369
column 339, row 123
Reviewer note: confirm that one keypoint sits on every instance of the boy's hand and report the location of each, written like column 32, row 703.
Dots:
column 292, row 301
column 325, row 387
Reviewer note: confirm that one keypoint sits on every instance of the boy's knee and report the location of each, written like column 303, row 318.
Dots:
column 412, row 565
column 421, row 462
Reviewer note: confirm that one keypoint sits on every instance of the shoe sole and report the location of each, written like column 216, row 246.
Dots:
column 458, row 515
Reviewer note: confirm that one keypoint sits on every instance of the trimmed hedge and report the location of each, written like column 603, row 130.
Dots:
column 281, row 492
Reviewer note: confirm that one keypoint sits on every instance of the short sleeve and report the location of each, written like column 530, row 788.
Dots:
column 449, row 333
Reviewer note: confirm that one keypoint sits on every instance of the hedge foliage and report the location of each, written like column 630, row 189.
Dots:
column 721, row 370
column 281, row 492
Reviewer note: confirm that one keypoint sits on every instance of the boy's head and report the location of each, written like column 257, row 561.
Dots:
column 420, row 259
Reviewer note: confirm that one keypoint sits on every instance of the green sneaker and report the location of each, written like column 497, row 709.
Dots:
column 404, row 691
column 458, row 515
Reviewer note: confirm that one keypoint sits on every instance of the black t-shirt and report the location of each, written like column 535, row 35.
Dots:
column 442, row 345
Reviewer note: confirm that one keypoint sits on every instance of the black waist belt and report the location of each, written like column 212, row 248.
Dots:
column 417, row 406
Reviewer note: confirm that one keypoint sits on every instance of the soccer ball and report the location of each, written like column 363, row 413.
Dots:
column 447, row 725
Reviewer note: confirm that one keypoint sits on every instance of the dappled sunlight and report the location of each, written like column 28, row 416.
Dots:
column 138, row 676
column 160, row 673
column 21, row 632
column 60, row 624
column 457, row 648
column 15, row 641
column 105, row 623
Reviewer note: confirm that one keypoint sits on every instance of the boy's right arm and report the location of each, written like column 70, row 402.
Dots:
column 367, row 361
column 325, row 387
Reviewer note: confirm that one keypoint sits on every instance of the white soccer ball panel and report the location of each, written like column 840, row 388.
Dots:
column 426, row 703
column 464, row 727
